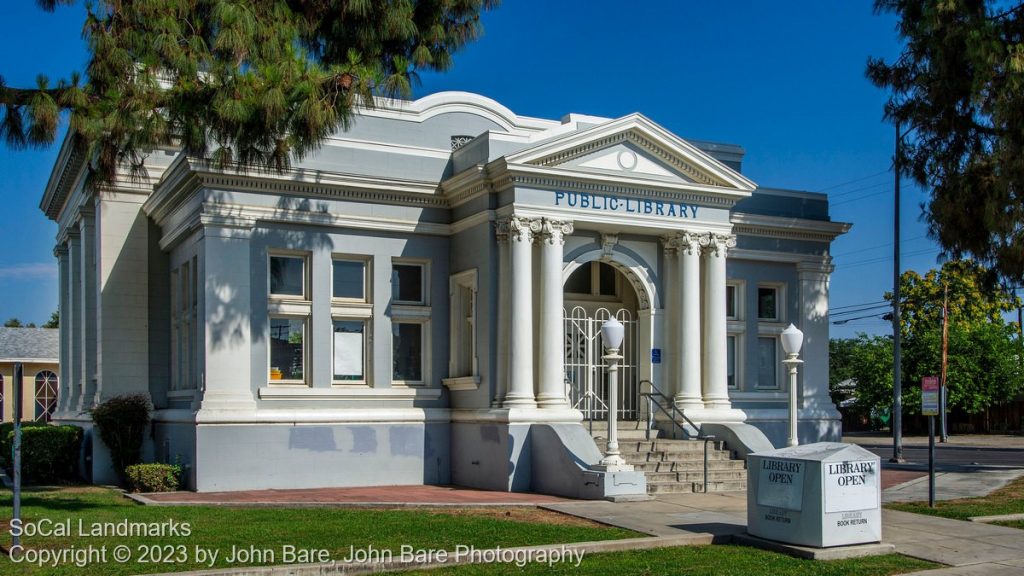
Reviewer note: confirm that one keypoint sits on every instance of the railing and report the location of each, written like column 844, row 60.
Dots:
column 590, row 397
column 655, row 399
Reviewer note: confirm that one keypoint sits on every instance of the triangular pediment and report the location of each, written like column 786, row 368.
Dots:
column 636, row 147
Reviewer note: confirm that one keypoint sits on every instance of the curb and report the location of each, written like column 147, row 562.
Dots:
column 997, row 518
column 143, row 499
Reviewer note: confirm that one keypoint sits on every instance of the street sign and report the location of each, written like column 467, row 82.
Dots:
column 930, row 396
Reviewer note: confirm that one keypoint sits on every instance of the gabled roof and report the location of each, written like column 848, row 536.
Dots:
column 29, row 345
column 675, row 153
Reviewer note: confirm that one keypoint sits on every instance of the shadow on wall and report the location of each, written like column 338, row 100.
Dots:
column 231, row 313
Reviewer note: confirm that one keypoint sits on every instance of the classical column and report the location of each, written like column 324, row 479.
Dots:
column 671, row 378
column 74, row 319
column 89, row 360
column 716, row 362
column 688, row 347
column 64, row 391
column 520, row 386
column 552, row 325
column 501, row 233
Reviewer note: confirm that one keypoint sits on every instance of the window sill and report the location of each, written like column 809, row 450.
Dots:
column 181, row 394
column 350, row 393
column 462, row 383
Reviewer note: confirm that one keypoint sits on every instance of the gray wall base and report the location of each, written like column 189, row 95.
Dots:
column 256, row 457
column 809, row 431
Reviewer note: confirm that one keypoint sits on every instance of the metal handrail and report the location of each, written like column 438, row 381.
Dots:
column 590, row 395
column 672, row 412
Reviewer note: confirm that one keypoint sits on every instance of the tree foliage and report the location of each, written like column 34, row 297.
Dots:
column 959, row 85
column 246, row 83
column 985, row 354
column 54, row 321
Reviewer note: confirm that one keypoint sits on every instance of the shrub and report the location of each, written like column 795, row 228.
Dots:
column 49, row 454
column 121, row 424
column 7, row 439
column 153, row 477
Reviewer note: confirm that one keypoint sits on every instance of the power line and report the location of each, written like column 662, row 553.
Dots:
column 879, row 259
column 841, row 184
column 834, row 204
column 859, row 310
column 861, row 304
column 876, row 247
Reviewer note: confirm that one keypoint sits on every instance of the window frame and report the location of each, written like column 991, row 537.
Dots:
column 424, row 324
column 737, row 355
column 424, row 267
column 367, row 349
column 367, row 262
column 51, row 401
column 595, row 283
column 738, row 292
column 306, row 295
column 776, row 364
column 779, row 299
column 305, row 319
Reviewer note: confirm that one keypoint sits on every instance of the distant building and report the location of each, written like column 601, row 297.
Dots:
column 419, row 301
column 38, row 351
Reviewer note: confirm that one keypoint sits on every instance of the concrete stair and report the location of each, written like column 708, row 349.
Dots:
column 674, row 466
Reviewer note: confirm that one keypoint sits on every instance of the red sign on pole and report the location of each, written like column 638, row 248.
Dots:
column 930, row 396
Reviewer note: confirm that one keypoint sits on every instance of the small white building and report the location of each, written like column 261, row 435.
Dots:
column 420, row 299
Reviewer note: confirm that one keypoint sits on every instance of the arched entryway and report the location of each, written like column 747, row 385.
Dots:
column 595, row 291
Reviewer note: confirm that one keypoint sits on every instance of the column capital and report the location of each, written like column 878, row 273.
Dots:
column 501, row 230
column 60, row 251
column 682, row 243
column 717, row 244
column 554, row 231
column 523, row 229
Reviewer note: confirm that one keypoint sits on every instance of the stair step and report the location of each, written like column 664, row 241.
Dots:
column 697, row 476
column 694, row 487
column 690, row 466
column 632, row 457
column 624, row 435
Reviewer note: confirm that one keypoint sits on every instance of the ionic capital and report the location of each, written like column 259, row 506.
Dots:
column 553, row 231
column 717, row 244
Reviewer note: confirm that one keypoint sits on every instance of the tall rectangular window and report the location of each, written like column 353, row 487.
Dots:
column 408, row 283
column 349, row 279
column 349, row 350
column 287, row 349
column 767, row 303
column 407, row 351
column 288, row 276
column 767, row 362
column 730, row 350
column 731, row 311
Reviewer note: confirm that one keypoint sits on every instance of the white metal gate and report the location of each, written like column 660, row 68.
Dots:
column 585, row 371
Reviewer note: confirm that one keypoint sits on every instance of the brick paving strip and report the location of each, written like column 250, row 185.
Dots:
column 419, row 496
column 565, row 552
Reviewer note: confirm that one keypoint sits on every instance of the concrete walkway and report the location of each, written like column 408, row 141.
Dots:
column 969, row 548
column 952, row 485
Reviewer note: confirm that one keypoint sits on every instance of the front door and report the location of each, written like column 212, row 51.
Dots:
column 585, row 370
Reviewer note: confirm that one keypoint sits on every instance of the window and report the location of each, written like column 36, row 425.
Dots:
column 184, row 326
column 593, row 279
column 767, row 303
column 407, row 283
column 463, row 363
column 767, row 362
column 287, row 349
column 46, row 395
column 730, row 348
column 2, row 398
column 350, row 350
column 349, row 279
column 407, row 352
column 288, row 276
column 731, row 311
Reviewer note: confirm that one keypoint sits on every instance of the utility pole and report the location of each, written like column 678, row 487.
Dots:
column 945, row 362
column 896, row 420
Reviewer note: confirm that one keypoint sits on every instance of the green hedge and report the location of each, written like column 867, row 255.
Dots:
column 49, row 454
column 153, row 477
column 7, row 439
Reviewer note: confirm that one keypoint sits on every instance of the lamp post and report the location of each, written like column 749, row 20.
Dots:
column 612, row 333
column 792, row 340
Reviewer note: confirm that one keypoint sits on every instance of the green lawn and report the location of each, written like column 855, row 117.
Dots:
column 703, row 560
column 1007, row 500
column 220, row 528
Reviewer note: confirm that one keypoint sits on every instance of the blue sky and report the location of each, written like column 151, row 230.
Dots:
column 784, row 80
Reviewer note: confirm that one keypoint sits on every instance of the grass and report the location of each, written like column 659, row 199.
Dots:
column 331, row 529
column 701, row 561
column 1007, row 500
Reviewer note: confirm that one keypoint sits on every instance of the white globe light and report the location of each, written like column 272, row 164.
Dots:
column 792, row 340
column 612, row 333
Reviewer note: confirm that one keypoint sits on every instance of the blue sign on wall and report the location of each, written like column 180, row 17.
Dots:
column 655, row 355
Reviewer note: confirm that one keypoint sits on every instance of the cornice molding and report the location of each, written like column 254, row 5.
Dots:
column 787, row 228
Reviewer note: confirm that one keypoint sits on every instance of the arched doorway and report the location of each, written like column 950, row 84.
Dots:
column 594, row 292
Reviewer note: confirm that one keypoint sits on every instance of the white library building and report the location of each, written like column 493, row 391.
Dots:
column 420, row 301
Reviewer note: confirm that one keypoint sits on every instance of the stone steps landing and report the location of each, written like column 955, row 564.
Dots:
column 674, row 466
